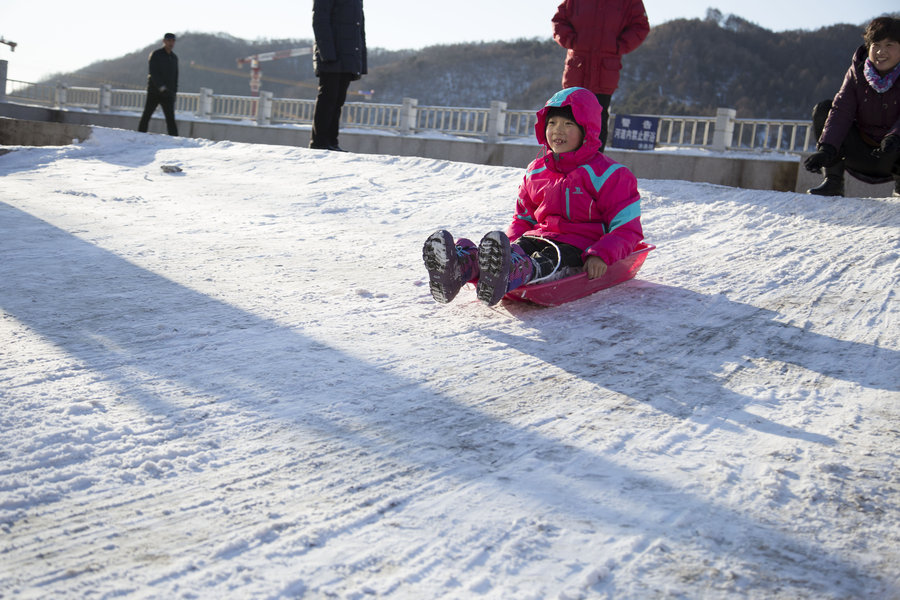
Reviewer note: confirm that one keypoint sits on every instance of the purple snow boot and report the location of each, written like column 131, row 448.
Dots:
column 449, row 265
column 503, row 267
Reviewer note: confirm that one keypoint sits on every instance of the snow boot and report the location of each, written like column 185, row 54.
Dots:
column 503, row 267
column 450, row 265
column 832, row 186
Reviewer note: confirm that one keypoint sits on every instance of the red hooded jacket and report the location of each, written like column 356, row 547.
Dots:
column 583, row 197
column 596, row 34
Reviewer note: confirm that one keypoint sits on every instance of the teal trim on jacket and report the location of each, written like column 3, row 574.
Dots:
column 630, row 212
column 599, row 181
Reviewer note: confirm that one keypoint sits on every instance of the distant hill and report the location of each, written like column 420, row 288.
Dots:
column 693, row 66
column 210, row 61
column 685, row 67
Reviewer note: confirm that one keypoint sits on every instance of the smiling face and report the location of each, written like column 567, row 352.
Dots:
column 563, row 134
column 885, row 55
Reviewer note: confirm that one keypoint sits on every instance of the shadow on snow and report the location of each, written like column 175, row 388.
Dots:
column 680, row 350
column 139, row 330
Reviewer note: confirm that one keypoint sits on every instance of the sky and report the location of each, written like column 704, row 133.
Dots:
column 72, row 35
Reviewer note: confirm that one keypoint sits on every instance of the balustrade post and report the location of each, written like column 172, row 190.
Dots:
column 105, row 98
column 62, row 93
column 264, row 108
column 496, row 121
column 408, row 111
column 724, row 132
column 4, row 67
column 205, row 104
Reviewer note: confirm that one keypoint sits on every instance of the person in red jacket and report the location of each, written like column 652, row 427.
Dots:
column 596, row 34
column 577, row 209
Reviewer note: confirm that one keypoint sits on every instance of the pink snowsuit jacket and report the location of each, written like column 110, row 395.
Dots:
column 582, row 198
column 596, row 34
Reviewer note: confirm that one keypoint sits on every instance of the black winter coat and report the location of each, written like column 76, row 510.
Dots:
column 163, row 71
column 340, row 30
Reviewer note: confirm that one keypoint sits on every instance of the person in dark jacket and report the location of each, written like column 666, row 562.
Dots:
column 860, row 129
column 339, row 57
column 596, row 34
column 162, row 85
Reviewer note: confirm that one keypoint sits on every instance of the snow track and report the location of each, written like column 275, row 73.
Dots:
column 234, row 382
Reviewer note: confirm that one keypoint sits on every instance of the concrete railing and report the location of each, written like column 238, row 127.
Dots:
column 724, row 131
column 29, row 124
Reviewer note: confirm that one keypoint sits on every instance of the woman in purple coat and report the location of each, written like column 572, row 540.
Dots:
column 860, row 129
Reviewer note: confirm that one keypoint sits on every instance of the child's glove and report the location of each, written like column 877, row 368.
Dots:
column 825, row 156
column 890, row 144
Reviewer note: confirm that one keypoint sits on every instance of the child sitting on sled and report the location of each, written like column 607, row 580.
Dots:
column 576, row 208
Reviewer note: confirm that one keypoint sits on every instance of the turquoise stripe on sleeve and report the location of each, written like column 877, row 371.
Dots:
column 568, row 206
column 535, row 172
column 526, row 218
column 632, row 211
column 598, row 182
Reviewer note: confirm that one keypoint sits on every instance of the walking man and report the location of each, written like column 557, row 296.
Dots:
column 162, row 85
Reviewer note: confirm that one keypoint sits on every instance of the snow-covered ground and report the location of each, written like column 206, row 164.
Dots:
column 232, row 382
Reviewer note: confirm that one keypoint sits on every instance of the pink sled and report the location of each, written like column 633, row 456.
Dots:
column 567, row 289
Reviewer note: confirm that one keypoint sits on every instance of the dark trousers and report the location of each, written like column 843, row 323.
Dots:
column 546, row 255
column 167, row 102
column 330, row 100
column 605, row 100
column 855, row 153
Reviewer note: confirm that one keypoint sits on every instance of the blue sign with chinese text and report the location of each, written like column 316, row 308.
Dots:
column 635, row 132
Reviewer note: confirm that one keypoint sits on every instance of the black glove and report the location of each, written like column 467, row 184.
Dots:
column 890, row 144
column 825, row 156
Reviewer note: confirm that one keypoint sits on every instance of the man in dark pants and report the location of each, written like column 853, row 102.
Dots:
column 162, row 85
column 339, row 57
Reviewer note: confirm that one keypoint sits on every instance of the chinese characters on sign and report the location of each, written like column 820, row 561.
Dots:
column 635, row 132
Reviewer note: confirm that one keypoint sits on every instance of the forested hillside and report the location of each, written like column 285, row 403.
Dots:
column 686, row 66
column 694, row 66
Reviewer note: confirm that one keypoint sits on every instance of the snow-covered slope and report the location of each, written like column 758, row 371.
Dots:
column 233, row 382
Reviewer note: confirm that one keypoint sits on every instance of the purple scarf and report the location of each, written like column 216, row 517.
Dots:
column 880, row 84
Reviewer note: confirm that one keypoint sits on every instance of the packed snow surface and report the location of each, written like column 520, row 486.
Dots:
column 232, row 382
